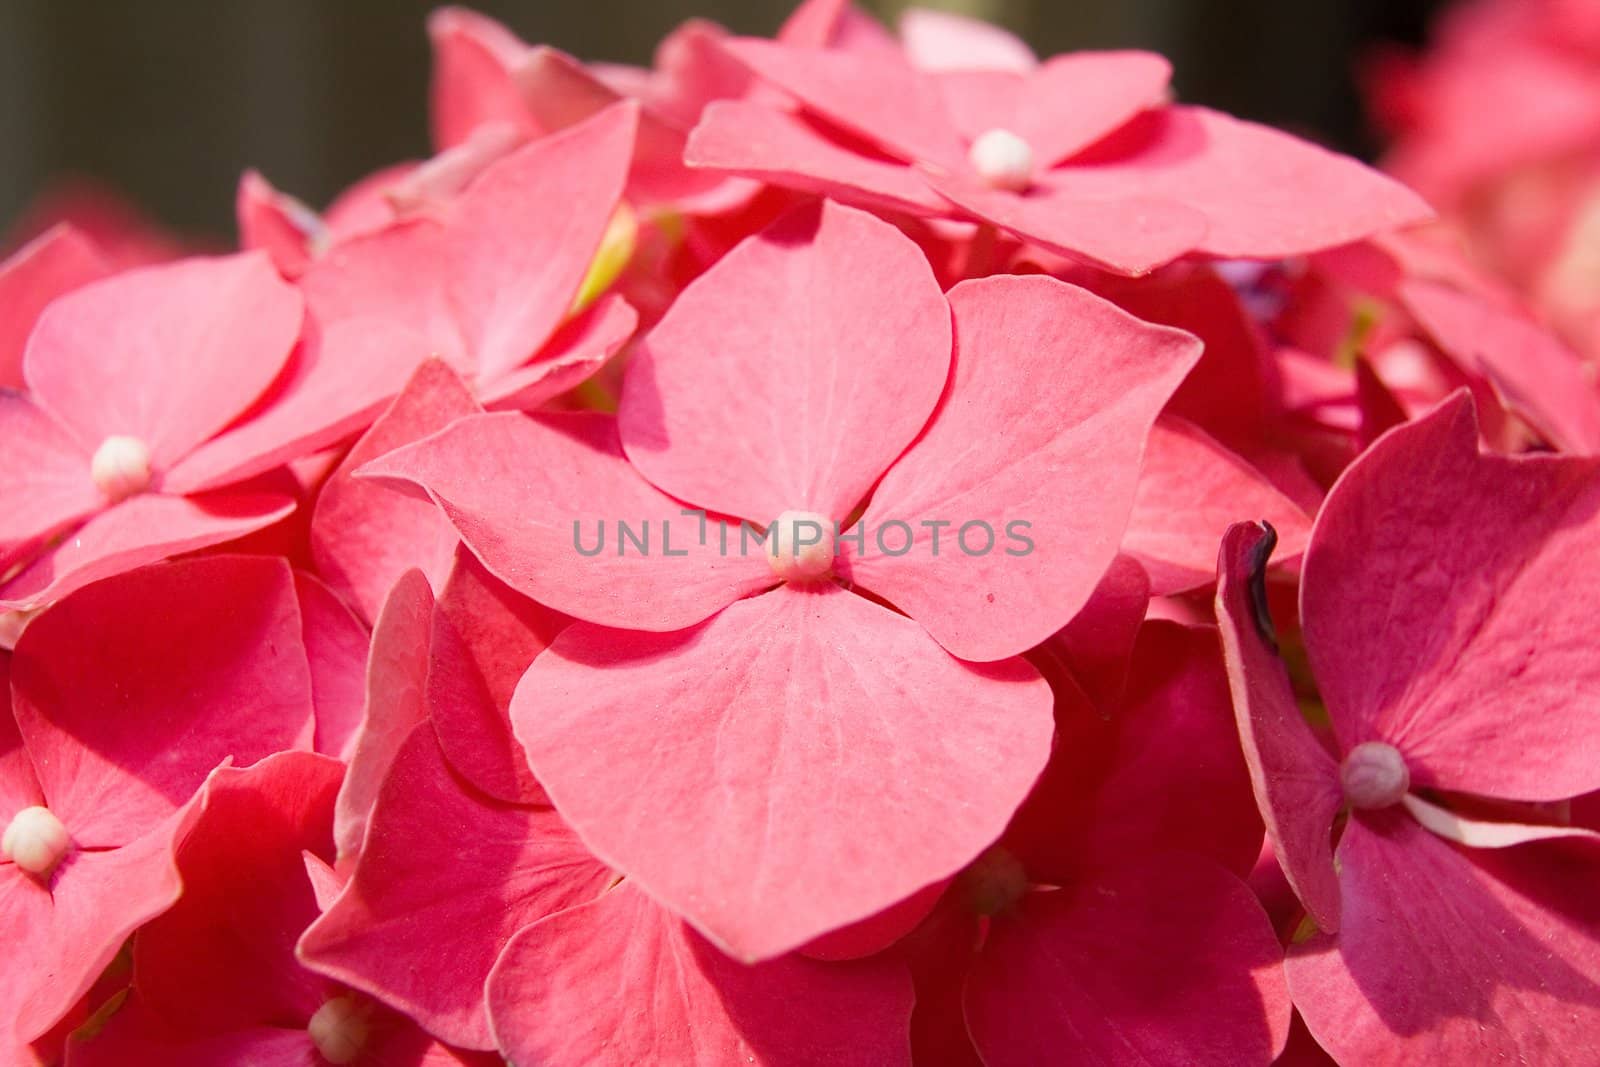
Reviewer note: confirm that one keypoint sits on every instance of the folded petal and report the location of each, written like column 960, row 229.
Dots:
column 1449, row 956
column 572, row 356
column 445, row 866
column 1296, row 781
column 139, row 531
column 129, row 692
column 1168, row 961
column 813, row 782
column 1077, row 384
column 1445, row 610
column 1191, row 489
column 365, row 535
column 168, row 354
column 56, row 262
column 569, row 988
column 486, row 472
column 792, row 373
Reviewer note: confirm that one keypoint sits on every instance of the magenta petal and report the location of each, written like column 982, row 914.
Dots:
column 1447, row 956
column 486, row 471
column 1169, row 961
column 396, row 684
column 1191, row 490
column 443, row 866
column 1472, row 660
column 1074, row 100
column 44, row 476
column 139, row 531
column 1077, row 382
column 130, row 691
column 1263, row 193
column 168, row 354
column 785, row 149
column 1296, row 782
column 516, row 264
column 792, row 373
column 814, row 781
column 54, row 263
column 569, row 989
column 364, row 536
column 336, row 647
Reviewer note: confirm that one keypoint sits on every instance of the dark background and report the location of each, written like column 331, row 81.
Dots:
column 168, row 100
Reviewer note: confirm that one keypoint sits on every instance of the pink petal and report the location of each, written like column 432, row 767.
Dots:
column 57, row 262
column 569, row 990
column 44, row 476
column 1446, row 956
column 879, row 98
column 443, row 866
column 1074, row 100
column 792, row 373
column 1486, row 833
column 1264, row 194
column 130, row 691
column 572, row 356
column 1470, row 659
column 1095, row 646
column 141, row 530
column 813, row 782
column 1169, row 961
column 485, row 472
column 939, row 40
column 396, row 680
column 786, row 149
column 1190, row 491
column 1078, row 383
column 19, row 788
column 168, row 354
column 223, row 957
column 365, row 535
column 474, row 80
column 1296, row 782
column 336, row 643
column 275, row 223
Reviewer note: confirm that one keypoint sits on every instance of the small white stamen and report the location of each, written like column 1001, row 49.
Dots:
column 1003, row 160
column 339, row 1029
column 36, row 841
column 1374, row 775
column 800, row 546
column 121, row 467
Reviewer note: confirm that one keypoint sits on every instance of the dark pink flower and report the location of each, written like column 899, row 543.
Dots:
column 1443, row 608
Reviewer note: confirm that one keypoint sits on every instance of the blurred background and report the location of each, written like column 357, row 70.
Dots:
column 168, row 100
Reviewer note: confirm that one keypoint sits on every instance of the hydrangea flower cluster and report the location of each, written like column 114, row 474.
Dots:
column 864, row 547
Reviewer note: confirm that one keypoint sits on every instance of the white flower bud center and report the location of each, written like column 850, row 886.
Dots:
column 339, row 1029
column 35, row 840
column 800, row 546
column 1374, row 775
column 121, row 466
column 1002, row 160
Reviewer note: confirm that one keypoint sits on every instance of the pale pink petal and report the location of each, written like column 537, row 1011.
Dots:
column 941, row 40
column 445, row 867
column 365, row 535
column 791, row 374
column 1074, row 100
column 786, row 149
column 814, row 778
column 45, row 483
column 569, row 552
column 141, row 530
column 168, row 354
column 569, row 988
column 1486, row 833
column 336, row 643
column 1446, row 956
column 1191, row 490
column 129, row 692
column 1296, row 781
column 56, row 262
column 1167, row 961
column 1077, row 384
column 1445, row 605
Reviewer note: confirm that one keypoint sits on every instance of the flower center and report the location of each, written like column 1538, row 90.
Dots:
column 121, row 467
column 1002, row 159
column 339, row 1029
column 995, row 881
column 35, row 840
column 800, row 546
column 1374, row 775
